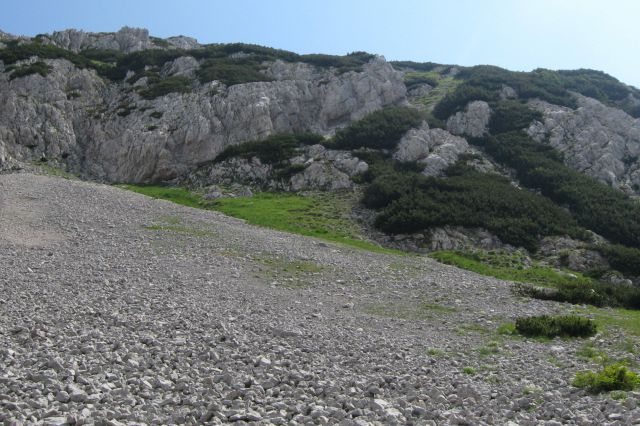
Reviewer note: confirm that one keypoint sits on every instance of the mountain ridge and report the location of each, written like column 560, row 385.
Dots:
column 128, row 107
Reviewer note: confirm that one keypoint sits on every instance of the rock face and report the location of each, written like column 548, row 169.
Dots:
column 472, row 122
column 598, row 140
column 437, row 149
column 105, row 130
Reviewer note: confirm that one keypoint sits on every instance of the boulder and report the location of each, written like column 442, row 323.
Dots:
column 436, row 149
column 472, row 122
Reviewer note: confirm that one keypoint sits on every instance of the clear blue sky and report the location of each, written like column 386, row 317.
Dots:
column 515, row 34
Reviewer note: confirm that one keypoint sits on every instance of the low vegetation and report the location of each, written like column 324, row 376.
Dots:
column 381, row 129
column 414, row 79
column 173, row 84
column 595, row 205
column 550, row 327
column 35, row 68
column 485, row 82
column 324, row 215
column 509, row 266
column 272, row 150
column 410, row 202
column 613, row 377
column 231, row 64
column 510, row 115
column 595, row 293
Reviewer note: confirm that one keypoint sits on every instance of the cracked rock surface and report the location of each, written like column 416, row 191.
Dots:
column 119, row 309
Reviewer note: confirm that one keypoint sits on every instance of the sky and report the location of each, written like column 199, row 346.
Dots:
column 519, row 35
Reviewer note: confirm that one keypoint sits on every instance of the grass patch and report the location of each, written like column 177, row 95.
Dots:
column 507, row 266
column 54, row 171
column 435, row 352
column 618, row 318
column 443, row 86
column 550, row 327
column 323, row 215
column 176, row 195
column 508, row 329
column 588, row 351
column 491, row 348
column 469, row 370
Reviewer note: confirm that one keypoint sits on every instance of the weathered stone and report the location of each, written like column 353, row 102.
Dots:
column 437, row 149
column 601, row 141
column 472, row 122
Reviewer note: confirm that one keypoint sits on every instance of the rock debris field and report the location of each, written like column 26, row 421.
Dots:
column 118, row 309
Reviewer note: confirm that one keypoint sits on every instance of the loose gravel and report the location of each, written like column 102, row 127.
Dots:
column 118, row 309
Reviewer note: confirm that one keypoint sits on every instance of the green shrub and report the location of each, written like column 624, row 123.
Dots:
column 460, row 97
column 351, row 62
column 485, row 82
column 621, row 258
column 381, row 129
column 411, row 202
column 614, row 377
column 34, row 68
column 173, row 84
column 417, row 66
column 415, row 79
column 275, row 149
column 595, row 205
column 156, row 114
column 594, row 293
column 550, row 327
column 231, row 71
column 511, row 115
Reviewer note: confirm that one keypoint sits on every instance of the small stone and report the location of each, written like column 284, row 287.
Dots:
column 63, row 396
column 56, row 421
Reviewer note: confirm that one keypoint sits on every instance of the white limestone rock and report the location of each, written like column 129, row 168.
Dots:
column 437, row 149
column 106, row 133
column 598, row 140
column 472, row 122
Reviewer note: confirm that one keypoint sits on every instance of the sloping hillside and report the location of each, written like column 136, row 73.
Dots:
column 125, row 309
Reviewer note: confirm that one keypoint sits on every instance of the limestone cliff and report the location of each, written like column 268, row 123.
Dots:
column 106, row 130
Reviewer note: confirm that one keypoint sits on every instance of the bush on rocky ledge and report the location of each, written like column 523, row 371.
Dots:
column 381, row 129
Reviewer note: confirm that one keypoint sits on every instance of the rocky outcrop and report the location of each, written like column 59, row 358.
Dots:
column 564, row 252
column 313, row 168
column 472, row 122
column 126, row 40
column 436, row 149
column 601, row 141
column 106, row 131
column 457, row 238
column 326, row 169
column 184, row 66
column 444, row 238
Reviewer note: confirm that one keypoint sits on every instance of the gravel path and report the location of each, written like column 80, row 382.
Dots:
column 119, row 309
